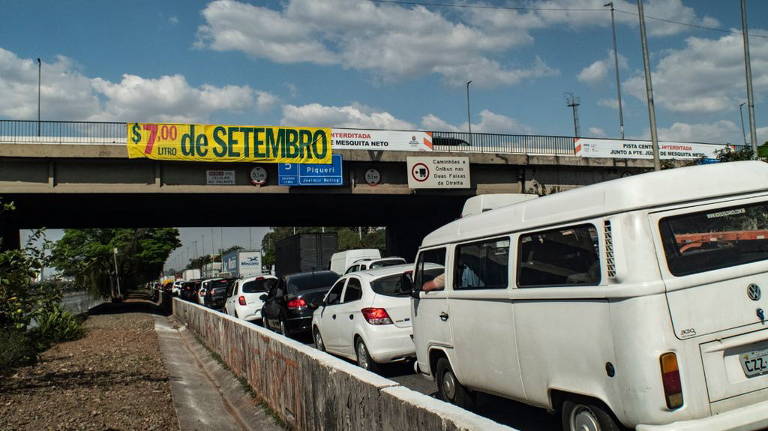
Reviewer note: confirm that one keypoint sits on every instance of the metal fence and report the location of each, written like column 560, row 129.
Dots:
column 61, row 132
column 114, row 133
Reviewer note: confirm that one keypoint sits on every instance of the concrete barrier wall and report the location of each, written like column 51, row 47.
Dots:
column 313, row 390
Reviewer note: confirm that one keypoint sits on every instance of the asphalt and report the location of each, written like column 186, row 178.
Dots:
column 206, row 395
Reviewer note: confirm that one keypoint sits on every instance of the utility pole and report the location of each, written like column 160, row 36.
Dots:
column 469, row 118
column 748, row 67
column 649, row 88
column 573, row 102
column 616, row 67
column 39, row 80
column 117, row 274
column 741, row 117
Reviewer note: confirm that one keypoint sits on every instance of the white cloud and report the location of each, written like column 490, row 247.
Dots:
column 67, row 94
column 490, row 122
column 173, row 20
column 596, row 132
column 610, row 103
column 717, row 132
column 351, row 116
column 705, row 76
column 390, row 41
column 597, row 72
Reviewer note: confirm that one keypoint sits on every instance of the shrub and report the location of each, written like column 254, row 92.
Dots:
column 55, row 325
column 16, row 349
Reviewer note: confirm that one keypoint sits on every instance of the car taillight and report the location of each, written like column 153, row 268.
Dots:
column 297, row 303
column 670, row 377
column 376, row 316
column 241, row 300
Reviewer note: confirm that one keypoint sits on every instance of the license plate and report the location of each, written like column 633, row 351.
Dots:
column 755, row 363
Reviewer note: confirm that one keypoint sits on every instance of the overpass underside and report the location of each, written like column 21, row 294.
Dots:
column 78, row 186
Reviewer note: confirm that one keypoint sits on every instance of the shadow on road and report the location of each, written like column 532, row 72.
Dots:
column 134, row 302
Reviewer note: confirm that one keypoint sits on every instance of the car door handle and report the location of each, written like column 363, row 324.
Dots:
column 443, row 316
column 351, row 316
column 333, row 317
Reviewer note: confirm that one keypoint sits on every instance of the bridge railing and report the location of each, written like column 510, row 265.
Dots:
column 61, row 132
column 463, row 142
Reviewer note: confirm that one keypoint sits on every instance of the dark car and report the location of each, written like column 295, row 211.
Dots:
column 216, row 294
column 287, row 306
column 188, row 290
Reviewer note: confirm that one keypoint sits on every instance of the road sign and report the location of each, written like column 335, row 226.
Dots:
column 303, row 174
column 438, row 172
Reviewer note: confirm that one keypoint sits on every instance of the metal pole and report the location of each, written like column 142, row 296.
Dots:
column 469, row 118
column 39, row 78
column 649, row 88
column 741, row 117
column 616, row 66
column 117, row 274
column 748, row 67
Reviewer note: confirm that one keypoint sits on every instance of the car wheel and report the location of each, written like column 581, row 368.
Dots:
column 450, row 389
column 364, row 359
column 318, row 340
column 581, row 415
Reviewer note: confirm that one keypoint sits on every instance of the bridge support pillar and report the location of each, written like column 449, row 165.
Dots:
column 10, row 237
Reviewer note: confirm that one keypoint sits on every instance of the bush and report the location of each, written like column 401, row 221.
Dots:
column 16, row 349
column 55, row 325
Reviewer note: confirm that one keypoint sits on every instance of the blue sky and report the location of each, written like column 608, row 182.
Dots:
column 357, row 63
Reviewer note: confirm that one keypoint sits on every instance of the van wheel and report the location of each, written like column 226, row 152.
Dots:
column 587, row 416
column 450, row 389
column 319, row 345
column 364, row 359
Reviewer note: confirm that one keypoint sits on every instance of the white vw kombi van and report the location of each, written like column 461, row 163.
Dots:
column 638, row 302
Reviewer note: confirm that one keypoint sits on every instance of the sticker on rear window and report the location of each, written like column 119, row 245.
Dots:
column 727, row 213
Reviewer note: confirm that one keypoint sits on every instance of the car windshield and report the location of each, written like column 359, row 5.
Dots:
column 312, row 280
column 254, row 286
column 392, row 285
column 715, row 239
column 220, row 284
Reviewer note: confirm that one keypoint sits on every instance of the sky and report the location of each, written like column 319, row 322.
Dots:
column 386, row 64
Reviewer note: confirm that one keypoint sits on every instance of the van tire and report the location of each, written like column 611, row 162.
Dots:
column 580, row 414
column 450, row 389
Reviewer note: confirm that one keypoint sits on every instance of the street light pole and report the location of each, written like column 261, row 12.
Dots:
column 117, row 273
column 649, row 88
column 39, row 77
column 469, row 118
column 616, row 67
column 748, row 67
column 741, row 117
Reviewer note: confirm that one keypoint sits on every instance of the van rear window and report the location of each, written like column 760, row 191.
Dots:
column 715, row 239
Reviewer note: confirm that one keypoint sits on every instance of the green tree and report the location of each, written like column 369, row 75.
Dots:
column 87, row 255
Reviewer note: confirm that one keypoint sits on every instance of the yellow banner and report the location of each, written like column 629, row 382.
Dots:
column 217, row 143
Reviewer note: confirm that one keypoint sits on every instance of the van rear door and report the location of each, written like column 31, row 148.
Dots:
column 715, row 263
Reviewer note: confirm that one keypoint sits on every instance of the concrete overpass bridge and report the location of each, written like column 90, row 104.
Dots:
column 69, row 175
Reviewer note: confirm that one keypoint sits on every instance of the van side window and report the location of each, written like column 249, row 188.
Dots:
column 430, row 270
column 482, row 265
column 560, row 257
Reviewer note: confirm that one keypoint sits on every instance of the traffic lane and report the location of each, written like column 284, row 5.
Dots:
column 501, row 410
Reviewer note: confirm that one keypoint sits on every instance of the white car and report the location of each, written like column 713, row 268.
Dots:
column 366, row 317
column 243, row 298
column 176, row 288
column 203, row 289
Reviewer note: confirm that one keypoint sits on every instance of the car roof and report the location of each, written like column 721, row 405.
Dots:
column 643, row 191
column 309, row 274
column 384, row 271
column 247, row 279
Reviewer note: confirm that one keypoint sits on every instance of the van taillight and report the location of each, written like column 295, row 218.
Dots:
column 670, row 376
column 297, row 303
column 376, row 316
column 241, row 300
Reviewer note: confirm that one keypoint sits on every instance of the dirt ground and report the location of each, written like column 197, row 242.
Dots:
column 112, row 379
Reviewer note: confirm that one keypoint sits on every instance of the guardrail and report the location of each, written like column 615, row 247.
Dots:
column 312, row 390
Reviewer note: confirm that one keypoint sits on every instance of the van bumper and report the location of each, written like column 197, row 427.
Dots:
column 747, row 418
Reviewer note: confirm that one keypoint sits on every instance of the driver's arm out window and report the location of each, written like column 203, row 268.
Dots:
column 430, row 270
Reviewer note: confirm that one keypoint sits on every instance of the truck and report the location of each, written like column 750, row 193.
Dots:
column 190, row 274
column 305, row 252
column 242, row 263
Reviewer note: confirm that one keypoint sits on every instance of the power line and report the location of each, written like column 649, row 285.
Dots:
column 523, row 8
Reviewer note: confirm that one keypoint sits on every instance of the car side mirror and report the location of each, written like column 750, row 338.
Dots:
column 263, row 297
column 415, row 292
